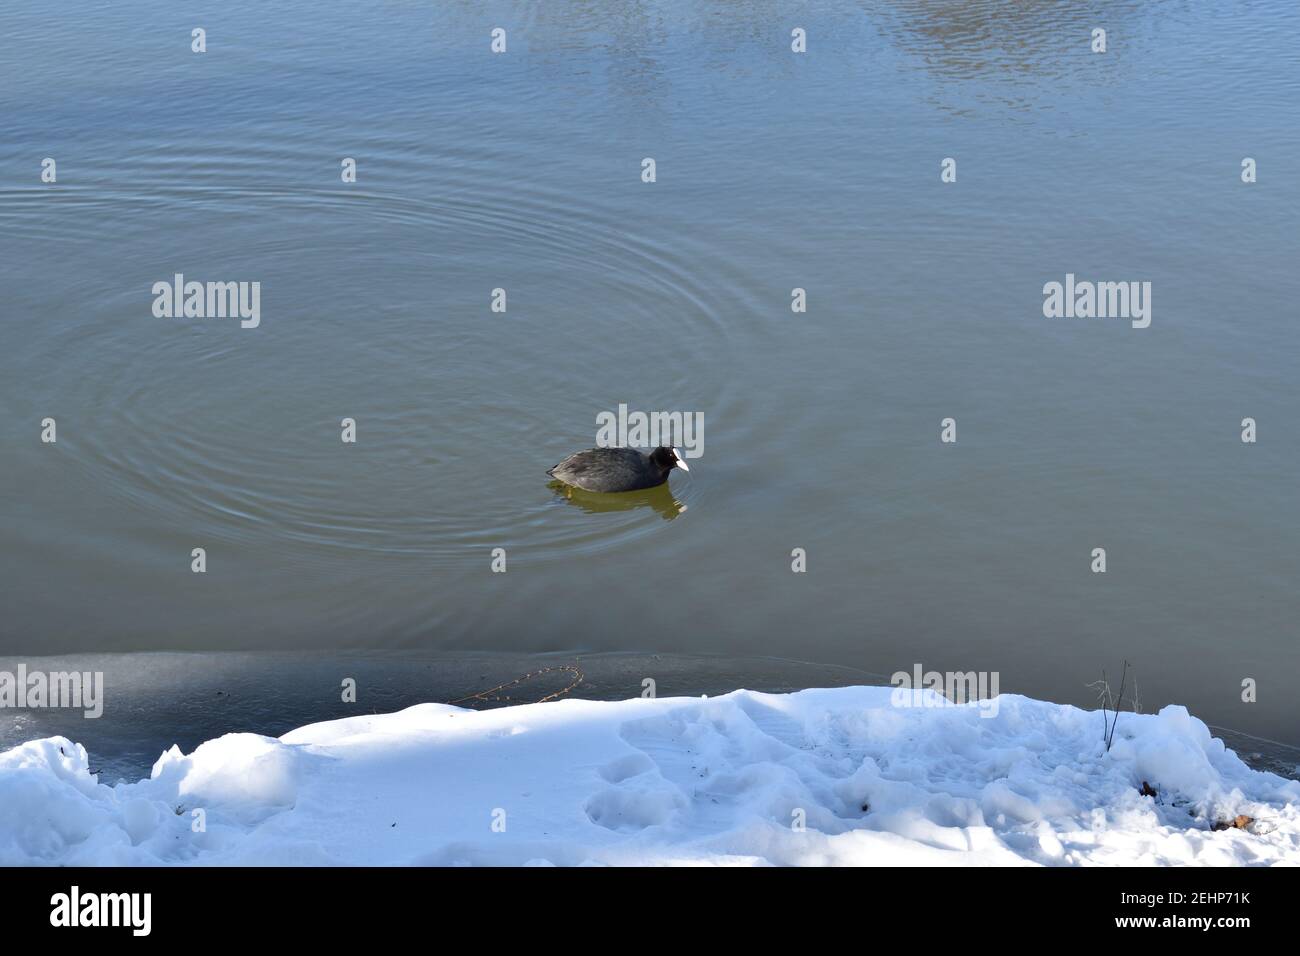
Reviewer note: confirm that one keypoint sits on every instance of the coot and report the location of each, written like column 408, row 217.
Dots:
column 617, row 469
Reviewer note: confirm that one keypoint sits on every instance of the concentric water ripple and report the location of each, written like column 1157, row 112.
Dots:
column 235, row 433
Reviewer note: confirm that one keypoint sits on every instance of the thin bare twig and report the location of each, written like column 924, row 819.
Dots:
column 1119, row 702
column 490, row 694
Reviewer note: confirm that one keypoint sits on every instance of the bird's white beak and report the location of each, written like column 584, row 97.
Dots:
column 681, row 462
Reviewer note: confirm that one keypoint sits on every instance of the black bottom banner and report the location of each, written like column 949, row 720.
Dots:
column 303, row 905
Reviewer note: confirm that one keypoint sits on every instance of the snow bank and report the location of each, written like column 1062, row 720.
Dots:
column 722, row 780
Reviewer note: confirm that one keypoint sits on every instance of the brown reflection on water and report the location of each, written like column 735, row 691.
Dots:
column 1006, row 51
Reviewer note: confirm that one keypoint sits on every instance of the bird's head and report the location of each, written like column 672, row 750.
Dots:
column 668, row 459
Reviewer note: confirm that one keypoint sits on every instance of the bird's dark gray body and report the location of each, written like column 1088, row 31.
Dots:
column 616, row 469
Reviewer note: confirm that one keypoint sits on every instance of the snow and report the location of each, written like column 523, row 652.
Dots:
column 724, row 780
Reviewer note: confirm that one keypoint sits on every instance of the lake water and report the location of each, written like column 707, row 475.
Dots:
column 774, row 171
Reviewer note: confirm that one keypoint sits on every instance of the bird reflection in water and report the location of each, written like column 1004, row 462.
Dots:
column 659, row 498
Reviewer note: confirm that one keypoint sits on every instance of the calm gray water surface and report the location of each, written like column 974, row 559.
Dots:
column 775, row 171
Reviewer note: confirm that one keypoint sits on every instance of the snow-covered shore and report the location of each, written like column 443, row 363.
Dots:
column 725, row 780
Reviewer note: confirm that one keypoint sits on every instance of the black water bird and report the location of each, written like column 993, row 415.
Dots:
column 617, row 469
